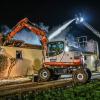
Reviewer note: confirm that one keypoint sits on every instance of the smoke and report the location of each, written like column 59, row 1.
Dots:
column 26, row 35
column 61, row 36
column 30, row 37
column 71, row 40
column 44, row 27
column 5, row 29
column 60, row 29
column 64, row 33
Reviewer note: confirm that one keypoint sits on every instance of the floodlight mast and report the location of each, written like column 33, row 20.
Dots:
column 80, row 20
column 91, row 29
column 94, row 31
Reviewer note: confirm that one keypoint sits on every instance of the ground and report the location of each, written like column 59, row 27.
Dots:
column 89, row 91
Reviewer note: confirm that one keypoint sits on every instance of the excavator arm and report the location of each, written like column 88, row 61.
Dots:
column 25, row 23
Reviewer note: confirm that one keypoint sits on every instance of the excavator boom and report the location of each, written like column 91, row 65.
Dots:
column 25, row 23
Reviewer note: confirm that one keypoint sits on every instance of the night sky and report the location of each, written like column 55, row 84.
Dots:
column 51, row 12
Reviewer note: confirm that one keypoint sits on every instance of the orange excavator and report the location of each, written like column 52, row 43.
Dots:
column 57, row 61
column 25, row 23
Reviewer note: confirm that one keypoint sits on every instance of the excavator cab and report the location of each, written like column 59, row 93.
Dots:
column 55, row 48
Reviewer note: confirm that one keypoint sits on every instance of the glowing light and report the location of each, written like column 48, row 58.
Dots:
column 81, row 19
column 66, row 49
column 92, row 59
